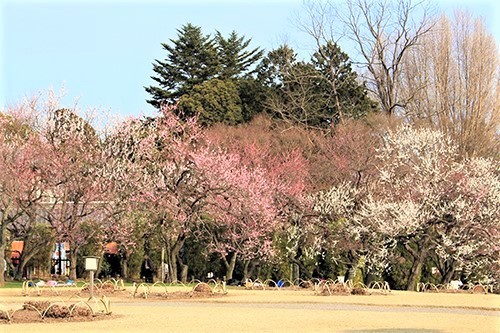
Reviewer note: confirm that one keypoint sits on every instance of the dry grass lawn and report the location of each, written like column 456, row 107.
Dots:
column 280, row 311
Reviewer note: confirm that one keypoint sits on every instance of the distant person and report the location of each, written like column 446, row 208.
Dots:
column 147, row 269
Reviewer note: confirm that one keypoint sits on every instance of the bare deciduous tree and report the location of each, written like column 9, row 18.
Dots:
column 455, row 81
column 382, row 32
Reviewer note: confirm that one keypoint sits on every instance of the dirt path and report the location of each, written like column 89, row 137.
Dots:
column 322, row 307
column 286, row 311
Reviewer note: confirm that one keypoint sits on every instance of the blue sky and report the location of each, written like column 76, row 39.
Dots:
column 101, row 51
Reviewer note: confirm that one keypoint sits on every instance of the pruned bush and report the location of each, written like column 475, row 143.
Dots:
column 359, row 291
column 202, row 288
column 57, row 311
column 41, row 306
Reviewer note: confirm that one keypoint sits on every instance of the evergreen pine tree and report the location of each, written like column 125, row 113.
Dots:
column 207, row 75
column 318, row 93
column 236, row 61
column 345, row 97
column 191, row 59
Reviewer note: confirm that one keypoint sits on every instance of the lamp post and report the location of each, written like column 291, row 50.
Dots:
column 91, row 263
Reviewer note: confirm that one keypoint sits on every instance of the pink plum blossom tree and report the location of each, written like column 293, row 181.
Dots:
column 22, row 157
column 75, row 191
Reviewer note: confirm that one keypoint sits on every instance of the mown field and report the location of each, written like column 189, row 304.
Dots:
column 244, row 310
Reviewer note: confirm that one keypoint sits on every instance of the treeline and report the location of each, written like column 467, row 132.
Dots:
column 262, row 165
column 221, row 80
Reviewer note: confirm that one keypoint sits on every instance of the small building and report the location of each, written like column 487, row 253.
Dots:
column 59, row 263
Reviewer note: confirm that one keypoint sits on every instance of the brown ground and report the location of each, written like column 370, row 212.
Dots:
column 276, row 311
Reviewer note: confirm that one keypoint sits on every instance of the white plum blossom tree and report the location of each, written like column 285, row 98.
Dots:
column 433, row 203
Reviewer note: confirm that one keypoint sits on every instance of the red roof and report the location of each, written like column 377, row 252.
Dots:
column 111, row 248
column 16, row 248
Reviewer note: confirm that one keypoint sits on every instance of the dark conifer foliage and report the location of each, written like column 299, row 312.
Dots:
column 223, row 80
column 319, row 93
column 236, row 61
column 191, row 59
column 211, row 77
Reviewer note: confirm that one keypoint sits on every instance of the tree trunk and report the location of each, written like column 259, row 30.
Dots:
column 351, row 272
column 246, row 263
column 448, row 271
column 415, row 272
column 125, row 267
column 419, row 256
column 172, row 266
column 295, row 272
column 249, row 272
column 249, row 269
column 73, row 255
column 230, row 265
column 416, row 268
column 300, row 268
column 3, row 245
column 353, row 266
column 184, row 272
column 20, row 267
column 173, row 250
column 99, row 264
column 184, row 269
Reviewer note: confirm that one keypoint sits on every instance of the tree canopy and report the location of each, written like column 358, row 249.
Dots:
column 199, row 65
column 319, row 93
column 265, row 165
column 191, row 59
